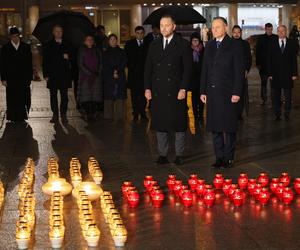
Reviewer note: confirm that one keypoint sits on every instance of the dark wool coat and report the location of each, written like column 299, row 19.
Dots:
column 166, row 72
column 223, row 75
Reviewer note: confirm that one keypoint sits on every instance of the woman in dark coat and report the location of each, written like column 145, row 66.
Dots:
column 198, row 50
column 114, row 63
column 16, row 75
column 90, row 90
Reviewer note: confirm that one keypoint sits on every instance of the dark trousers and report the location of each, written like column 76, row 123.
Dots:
column 241, row 103
column 276, row 99
column 138, row 101
column 264, row 84
column 163, row 143
column 224, row 145
column 63, row 101
column 198, row 105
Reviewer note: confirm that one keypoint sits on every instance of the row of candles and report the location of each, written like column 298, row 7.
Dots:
column 26, row 221
column 113, row 219
column 95, row 170
column 1, row 194
column 261, row 189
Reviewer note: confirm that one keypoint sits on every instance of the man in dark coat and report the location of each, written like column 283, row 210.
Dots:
column 262, row 55
column 16, row 75
column 222, row 81
column 57, row 73
column 167, row 77
column 237, row 34
column 136, row 51
column 283, row 71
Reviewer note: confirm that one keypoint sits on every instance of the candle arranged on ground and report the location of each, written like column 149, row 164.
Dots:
column 95, row 170
column 285, row 179
column 243, row 181
column 92, row 190
column 75, row 172
column 56, row 220
column 218, row 181
column 263, row 179
column 297, row 185
column 1, row 194
column 26, row 220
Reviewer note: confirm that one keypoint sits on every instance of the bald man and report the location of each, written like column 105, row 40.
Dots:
column 222, row 80
column 283, row 71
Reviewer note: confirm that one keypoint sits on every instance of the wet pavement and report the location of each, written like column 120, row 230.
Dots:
column 126, row 151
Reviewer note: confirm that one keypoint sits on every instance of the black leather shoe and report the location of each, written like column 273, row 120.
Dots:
column 178, row 160
column 218, row 164
column 228, row 164
column 161, row 160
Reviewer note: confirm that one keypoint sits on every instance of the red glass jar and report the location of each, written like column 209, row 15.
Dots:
column 218, row 181
column 251, row 186
column 177, row 187
column 158, row 198
column 193, row 182
column 264, row 196
column 226, row 185
column 257, row 190
column 285, row 179
column 183, row 188
column 263, row 179
column 171, row 182
column 187, row 198
column 133, row 198
column 274, row 184
column 287, row 196
column 153, row 190
column 232, row 189
column 209, row 197
column 125, row 187
column 238, row 197
column 279, row 190
column 207, row 186
column 200, row 187
column 243, row 181
column 147, row 180
column 297, row 185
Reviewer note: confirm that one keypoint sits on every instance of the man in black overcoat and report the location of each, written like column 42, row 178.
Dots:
column 283, row 71
column 262, row 54
column 16, row 75
column 237, row 34
column 136, row 51
column 222, row 81
column 57, row 73
column 167, row 78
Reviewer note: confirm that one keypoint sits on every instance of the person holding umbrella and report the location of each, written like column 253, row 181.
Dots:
column 167, row 77
column 222, row 81
column 57, row 72
column 16, row 76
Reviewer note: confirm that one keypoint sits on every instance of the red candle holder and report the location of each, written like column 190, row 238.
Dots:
column 193, row 182
column 147, row 181
column 287, row 196
column 297, row 185
column 274, row 184
column 243, row 181
column 209, row 197
column 263, row 179
column 177, row 187
column 285, row 179
column 206, row 187
column 251, row 186
column 200, row 187
column 157, row 198
column 125, row 187
column 133, row 198
column 231, row 191
column 257, row 190
column 279, row 190
column 183, row 188
column 218, row 181
column 187, row 198
column 171, row 182
column 264, row 196
column 238, row 197
column 226, row 185
column 153, row 190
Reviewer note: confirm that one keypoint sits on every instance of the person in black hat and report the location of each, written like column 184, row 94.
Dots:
column 16, row 76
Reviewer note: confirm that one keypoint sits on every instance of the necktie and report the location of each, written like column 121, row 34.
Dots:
column 166, row 44
column 282, row 46
column 218, row 44
column 140, row 43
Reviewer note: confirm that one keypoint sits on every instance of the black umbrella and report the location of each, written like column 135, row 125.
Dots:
column 75, row 25
column 181, row 14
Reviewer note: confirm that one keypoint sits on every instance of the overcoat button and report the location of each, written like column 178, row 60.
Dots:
column 169, row 79
column 158, row 64
column 157, row 79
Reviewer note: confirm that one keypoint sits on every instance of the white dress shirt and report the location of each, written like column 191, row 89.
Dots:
column 140, row 42
column 16, row 46
column 280, row 42
column 169, row 40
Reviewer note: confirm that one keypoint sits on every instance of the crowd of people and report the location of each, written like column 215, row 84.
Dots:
column 162, row 67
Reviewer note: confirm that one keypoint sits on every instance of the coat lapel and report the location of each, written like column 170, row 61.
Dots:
column 170, row 48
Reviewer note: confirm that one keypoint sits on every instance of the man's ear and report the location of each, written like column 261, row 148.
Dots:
column 174, row 26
